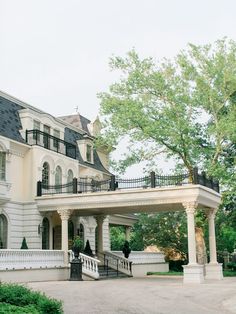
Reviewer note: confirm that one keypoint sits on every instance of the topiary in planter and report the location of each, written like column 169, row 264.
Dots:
column 87, row 249
column 126, row 249
column 77, row 246
column 24, row 245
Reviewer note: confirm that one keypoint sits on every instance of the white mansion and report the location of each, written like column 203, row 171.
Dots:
column 54, row 185
column 35, row 146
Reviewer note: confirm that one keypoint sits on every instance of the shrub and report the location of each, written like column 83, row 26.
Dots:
column 21, row 296
column 9, row 308
column 232, row 266
column 24, row 245
column 177, row 265
column 87, row 250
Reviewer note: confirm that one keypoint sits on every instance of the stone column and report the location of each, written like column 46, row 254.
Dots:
column 65, row 215
column 190, row 209
column 212, row 238
column 193, row 272
column 213, row 269
column 99, row 220
column 127, row 233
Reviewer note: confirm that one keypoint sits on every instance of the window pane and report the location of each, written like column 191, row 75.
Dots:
column 45, row 174
column 69, row 180
column 89, row 153
column 2, row 166
column 3, row 232
column 56, row 134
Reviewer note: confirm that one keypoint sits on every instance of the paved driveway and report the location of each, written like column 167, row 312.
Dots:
column 143, row 295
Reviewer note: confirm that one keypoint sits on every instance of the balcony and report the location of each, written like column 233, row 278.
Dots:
column 39, row 138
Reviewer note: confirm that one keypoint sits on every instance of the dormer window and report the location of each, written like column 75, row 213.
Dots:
column 89, row 153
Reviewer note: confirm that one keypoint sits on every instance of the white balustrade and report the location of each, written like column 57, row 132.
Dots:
column 30, row 259
column 89, row 266
column 141, row 257
column 114, row 260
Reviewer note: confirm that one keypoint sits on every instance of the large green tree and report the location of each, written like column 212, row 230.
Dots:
column 184, row 108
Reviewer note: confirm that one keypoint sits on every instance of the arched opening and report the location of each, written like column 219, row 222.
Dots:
column 70, row 180
column 45, row 234
column 45, row 174
column 3, row 232
column 70, row 234
column 58, row 179
column 80, row 232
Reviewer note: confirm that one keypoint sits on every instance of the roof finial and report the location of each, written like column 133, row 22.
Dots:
column 76, row 109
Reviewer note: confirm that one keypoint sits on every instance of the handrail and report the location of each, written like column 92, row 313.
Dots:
column 83, row 185
column 48, row 141
column 120, row 264
column 89, row 266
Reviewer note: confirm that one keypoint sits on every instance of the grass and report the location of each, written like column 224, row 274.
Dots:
column 168, row 273
column 226, row 273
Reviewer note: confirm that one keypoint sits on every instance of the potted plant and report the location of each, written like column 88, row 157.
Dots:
column 126, row 249
column 77, row 246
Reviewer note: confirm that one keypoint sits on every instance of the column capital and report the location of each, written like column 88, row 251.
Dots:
column 64, row 213
column 100, row 218
column 211, row 213
column 190, row 207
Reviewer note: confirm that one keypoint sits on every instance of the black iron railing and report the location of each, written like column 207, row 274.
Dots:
column 84, row 185
column 37, row 137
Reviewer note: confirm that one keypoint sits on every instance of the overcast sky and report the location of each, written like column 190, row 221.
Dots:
column 54, row 54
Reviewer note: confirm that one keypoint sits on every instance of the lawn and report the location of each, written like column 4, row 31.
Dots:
column 226, row 273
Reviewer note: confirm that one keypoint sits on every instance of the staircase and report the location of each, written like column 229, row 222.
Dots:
column 110, row 273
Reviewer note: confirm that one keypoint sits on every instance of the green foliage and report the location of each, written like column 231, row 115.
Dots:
column 117, row 237
column 24, row 245
column 78, row 243
column 182, row 108
column 232, row 266
column 9, row 308
column 165, row 230
column 22, row 297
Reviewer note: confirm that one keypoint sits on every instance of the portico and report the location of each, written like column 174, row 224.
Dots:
column 189, row 198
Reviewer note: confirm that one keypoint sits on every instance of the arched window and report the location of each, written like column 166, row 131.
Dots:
column 45, row 234
column 80, row 232
column 70, row 233
column 2, row 166
column 58, row 179
column 69, row 181
column 3, row 232
column 45, row 174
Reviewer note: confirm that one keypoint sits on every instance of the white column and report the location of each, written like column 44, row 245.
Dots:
column 212, row 238
column 65, row 215
column 190, row 209
column 193, row 272
column 213, row 269
column 127, row 233
column 99, row 220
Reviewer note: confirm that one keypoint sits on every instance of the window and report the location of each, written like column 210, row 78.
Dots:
column 89, row 153
column 3, row 232
column 56, row 134
column 80, row 232
column 36, row 126
column 46, row 140
column 70, row 233
column 2, row 166
column 58, row 179
column 70, row 180
column 45, row 174
column 45, row 234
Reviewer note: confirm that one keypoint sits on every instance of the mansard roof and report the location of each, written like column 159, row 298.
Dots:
column 10, row 126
